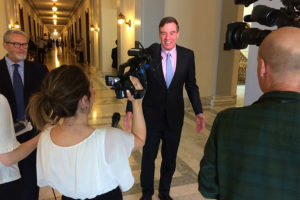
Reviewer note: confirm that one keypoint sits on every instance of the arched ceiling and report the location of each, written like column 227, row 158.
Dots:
column 65, row 9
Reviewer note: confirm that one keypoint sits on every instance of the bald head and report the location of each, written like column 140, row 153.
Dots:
column 281, row 50
column 279, row 60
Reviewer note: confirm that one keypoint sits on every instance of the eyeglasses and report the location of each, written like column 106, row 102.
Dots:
column 18, row 45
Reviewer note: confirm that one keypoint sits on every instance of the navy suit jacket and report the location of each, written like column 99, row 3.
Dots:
column 161, row 103
column 34, row 74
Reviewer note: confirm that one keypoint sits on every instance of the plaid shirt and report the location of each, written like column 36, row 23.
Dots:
column 253, row 152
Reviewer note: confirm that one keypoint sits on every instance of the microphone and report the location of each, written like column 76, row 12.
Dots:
column 115, row 119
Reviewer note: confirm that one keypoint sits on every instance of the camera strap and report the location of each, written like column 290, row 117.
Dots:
column 139, row 94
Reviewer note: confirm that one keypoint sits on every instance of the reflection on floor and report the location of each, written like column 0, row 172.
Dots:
column 184, row 184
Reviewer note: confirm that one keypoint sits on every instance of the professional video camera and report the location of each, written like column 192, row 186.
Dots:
column 239, row 34
column 135, row 66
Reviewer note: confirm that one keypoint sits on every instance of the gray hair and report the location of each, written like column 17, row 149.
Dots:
column 6, row 36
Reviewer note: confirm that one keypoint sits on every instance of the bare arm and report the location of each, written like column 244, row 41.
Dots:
column 19, row 153
column 127, row 121
column 138, row 122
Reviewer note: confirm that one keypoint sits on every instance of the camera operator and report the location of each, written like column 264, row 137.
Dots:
column 253, row 152
column 79, row 161
column 171, row 68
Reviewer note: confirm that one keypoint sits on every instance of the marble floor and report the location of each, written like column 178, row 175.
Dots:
column 184, row 184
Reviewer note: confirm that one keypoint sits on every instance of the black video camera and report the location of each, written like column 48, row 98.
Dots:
column 135, row 66
column 239, row 35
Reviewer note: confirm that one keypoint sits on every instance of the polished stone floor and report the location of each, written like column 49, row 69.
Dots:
column 184, row 184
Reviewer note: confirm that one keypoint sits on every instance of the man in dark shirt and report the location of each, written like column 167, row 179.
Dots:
column 253, row 152
column 114, row 56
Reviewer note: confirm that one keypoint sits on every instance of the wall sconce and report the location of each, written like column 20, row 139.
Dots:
column 97, row 29
column 17, row 26
column 122, row 19
column 92, row 27
column 137, row 22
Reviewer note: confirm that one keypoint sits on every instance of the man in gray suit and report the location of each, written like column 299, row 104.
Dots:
column 13, row 67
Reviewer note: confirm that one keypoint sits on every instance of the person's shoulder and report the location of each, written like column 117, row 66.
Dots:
column 183, row 49
column 112, row 130
column 36, row 65
column 235, row 112
column 2, row 61
column 154, row 47
column 99, row 131
column 3, row 100
column 45, row 134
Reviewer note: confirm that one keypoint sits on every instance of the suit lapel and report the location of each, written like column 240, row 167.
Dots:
column 27, row 81
column 6, row 77
column 157, row 67
column 179, row 66
column 6, row 86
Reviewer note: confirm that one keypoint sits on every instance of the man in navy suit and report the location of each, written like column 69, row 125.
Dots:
column 171, row 68
column 16, row 43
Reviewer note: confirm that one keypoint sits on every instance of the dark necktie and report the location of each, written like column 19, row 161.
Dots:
column 19, row 93
column 169, row 70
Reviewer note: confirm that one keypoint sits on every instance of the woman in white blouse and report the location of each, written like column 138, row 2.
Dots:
column 79, row 161
column 11, row 152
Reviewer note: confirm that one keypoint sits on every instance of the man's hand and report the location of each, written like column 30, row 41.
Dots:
column 200, row 122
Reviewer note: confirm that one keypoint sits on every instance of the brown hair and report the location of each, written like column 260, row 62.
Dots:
column 60, row 93
column 167, row 20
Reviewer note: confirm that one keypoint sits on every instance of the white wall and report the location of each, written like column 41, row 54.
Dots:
column 3, row 25
column 252, row 90
column 126, row 34
column 108, row 33
column 199, row 31
column 151, row 14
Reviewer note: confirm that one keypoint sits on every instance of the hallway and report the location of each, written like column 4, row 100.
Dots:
column 184, row 184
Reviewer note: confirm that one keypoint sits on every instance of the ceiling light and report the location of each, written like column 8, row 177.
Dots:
column 54, row 8
column 54, row 16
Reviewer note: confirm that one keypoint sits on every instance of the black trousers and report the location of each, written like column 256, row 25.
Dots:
column 170, row 142
column 12, row 190
column 81, row 58
column 28, row 171
column 115, row 194
column 41, row 55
